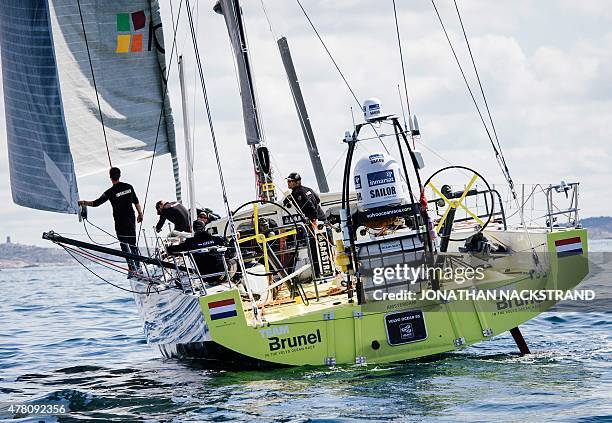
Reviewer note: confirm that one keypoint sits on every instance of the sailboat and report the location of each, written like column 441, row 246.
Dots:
column 383, row 279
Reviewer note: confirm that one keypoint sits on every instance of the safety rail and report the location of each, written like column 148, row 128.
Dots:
column 489, row 209
column 192, row 271
column 542, row 205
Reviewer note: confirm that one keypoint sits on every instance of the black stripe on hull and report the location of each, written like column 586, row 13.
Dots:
column 211, row 355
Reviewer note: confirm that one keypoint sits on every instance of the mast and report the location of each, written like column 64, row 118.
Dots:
column 188, row 144
column 300, row 106
column 231, row 11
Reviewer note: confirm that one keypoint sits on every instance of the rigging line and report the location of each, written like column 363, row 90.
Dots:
column 331, row 169
column 171, row 12
column 240, row 23
column 93, row 78
column 498, row 156
column 193, row 102
column 100, row 257
column 161, row 114
column 268, row 20
column 100, row 260
column 467, row 84
column 109, row 263
column 100, row 229
column 399, row 44
column 522, row 206
column 275, row 39
column 230, row 219
column 484, row 97
column 328, row 52
column 106, row 262
column 104, row 280
column 91, row 239
column 399, row 92
column 336, row 65
column 193, row 128
column 501, row 158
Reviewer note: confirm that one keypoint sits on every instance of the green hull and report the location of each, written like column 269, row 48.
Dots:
column 350, row 333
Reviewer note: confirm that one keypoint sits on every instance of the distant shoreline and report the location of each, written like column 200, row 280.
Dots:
column 21, row 256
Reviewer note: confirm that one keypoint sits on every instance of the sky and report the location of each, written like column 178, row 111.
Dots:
column 545, row 66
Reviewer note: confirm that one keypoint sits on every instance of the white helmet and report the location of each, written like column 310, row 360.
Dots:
column 372, row 109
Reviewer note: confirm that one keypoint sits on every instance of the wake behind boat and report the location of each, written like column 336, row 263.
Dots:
column 402, row 266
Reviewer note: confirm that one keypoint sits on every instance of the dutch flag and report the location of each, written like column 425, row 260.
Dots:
column 222, row 309
column 568, row 247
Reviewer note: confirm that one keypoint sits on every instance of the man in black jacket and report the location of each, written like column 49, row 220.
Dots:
column 199, row 225
column 208, row 262
column 121, row 196
column 305, row 198
column 175, row 212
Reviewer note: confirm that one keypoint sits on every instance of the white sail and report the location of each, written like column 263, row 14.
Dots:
column 86, row 80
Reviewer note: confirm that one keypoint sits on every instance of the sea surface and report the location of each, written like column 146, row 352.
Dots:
column 67, row 338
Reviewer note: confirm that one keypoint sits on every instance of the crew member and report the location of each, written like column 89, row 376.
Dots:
column 175, row 212
column 305, row 198
column 211, row 262
column 310, row 205
column 199, row 225
column 122, row 196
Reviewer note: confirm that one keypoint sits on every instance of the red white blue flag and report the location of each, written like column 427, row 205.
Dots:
column 568, row 247
column 222, row 309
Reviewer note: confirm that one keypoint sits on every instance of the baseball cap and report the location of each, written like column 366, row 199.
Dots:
column 294, row 176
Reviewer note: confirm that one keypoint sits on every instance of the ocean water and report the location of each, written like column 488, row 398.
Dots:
column 66, row 338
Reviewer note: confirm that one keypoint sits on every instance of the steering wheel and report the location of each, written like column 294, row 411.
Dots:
column 455, row 202
column 260, row 233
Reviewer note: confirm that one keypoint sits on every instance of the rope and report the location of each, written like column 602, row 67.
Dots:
column 92, row 240
column 484, row 97
column 399, row 44
column 230, row 219
column 274, row 36
column 467, row 84
column 93, row 77
column 497, row 149
column 331, row 169
column 100, row 260
column 328, row 52
column 103, row 279
column 161, row 114
column 336, row 65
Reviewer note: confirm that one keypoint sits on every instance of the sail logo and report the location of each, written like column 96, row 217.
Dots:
column 129, row 39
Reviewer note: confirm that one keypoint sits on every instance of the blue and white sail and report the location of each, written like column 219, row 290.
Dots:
column 84, row 87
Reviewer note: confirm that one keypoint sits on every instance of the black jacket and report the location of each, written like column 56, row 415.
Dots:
column 309, row 202
column 176, row 213
column 198, row 226
column 121, row 197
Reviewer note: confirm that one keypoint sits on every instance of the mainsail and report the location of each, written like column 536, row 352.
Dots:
column 84, row 87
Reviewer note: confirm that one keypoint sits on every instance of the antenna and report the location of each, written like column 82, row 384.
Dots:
column 399, row 93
